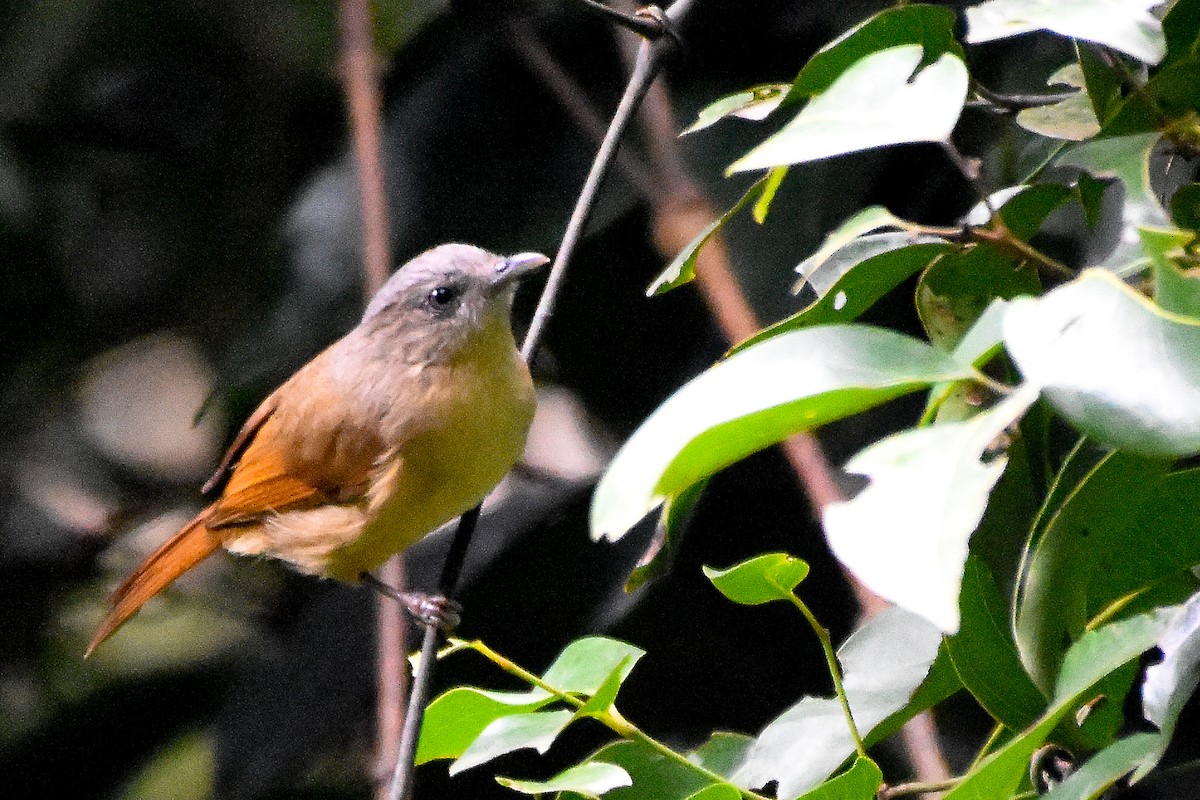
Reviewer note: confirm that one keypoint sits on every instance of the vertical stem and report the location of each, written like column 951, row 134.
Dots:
column 360, row 79
column 835, row 671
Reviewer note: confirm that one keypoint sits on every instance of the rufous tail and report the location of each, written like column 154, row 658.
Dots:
column 181, row 552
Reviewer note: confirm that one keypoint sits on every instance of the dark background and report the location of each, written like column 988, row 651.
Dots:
column 178, row 220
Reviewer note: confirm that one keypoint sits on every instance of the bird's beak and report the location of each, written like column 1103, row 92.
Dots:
column 514, row 268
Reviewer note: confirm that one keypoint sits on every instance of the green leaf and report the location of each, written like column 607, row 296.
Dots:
column 755, row 103
column 682, row 269
column 1088, row 661
column 860, row 782
column 536, row 730
column 763, row 204
column 1168, row 101
column 1125, row 25
column 761, row 395
column 1101, row 78
column 982, row 340
column 1181, row 28
column 585, row 665
column 1052, row 607
column 455, row 719
column 676, row 515
column 861, row 273
column 602, row 701
column 930, row 27
column 717, row 791
column 1025, row 212
column 1115, row 365
column 591, row 779
column 1072, row 118
column 759, row 580
column 883, row 663
column 1126, row 158
column 940, row 683
column 905, row 535
column 985, row 654
column 956, row 289
column 1107, row 767
column 663, row 779
column 876, row 102
column 1173, row 290
column 871, row 218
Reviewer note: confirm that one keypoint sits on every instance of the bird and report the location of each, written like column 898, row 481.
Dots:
column 403, row 424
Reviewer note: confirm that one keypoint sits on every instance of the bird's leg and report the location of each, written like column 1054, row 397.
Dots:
column 431, row 610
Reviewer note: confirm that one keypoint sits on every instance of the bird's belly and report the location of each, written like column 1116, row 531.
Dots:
column 437, row 475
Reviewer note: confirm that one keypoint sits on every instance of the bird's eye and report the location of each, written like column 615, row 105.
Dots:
column 441, row 299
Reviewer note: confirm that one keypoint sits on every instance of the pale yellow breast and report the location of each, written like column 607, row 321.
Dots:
column 480, row 408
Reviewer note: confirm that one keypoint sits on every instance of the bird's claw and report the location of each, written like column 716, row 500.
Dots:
column 433, row 610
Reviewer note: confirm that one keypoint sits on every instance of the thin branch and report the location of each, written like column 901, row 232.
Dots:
column 572, row 98
column 360, row 78
column 651, row 58
column 1012, row 103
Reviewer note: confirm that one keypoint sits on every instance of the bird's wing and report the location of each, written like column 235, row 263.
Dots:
column 296, row 453
column 240, row 443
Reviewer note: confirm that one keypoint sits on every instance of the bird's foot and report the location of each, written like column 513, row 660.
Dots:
column 431, row 610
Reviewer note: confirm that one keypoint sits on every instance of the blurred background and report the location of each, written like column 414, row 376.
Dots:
column 179, row 232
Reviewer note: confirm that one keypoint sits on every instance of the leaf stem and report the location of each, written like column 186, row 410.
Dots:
column 904, row 789
column 835, row 671
column 993, row 738
column 611, row 718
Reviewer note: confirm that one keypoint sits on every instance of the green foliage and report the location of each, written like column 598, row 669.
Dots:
column 1032, row 574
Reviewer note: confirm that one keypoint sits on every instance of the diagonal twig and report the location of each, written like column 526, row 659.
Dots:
column 652, row 56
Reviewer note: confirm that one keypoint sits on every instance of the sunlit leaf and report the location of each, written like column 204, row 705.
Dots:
column 793, row 382
column 586, row 664
column 592, row 779
column 1072, row 118
column 1125, row 25
column 755, row 103
column 456, row 718
column 1116, row 366
column 905, row 535
column 929, row 26
column 870, row 219
column 759, row 580
column 1170, row 684
column 883, row 663
column 661, row 778
column 536, row 730
column 877, row 102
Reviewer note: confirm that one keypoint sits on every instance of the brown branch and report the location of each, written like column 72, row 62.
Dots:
column 360, row 79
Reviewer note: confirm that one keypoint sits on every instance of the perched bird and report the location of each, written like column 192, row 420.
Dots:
column 401, row 425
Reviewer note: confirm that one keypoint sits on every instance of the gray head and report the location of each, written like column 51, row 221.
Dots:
column 438, row 299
